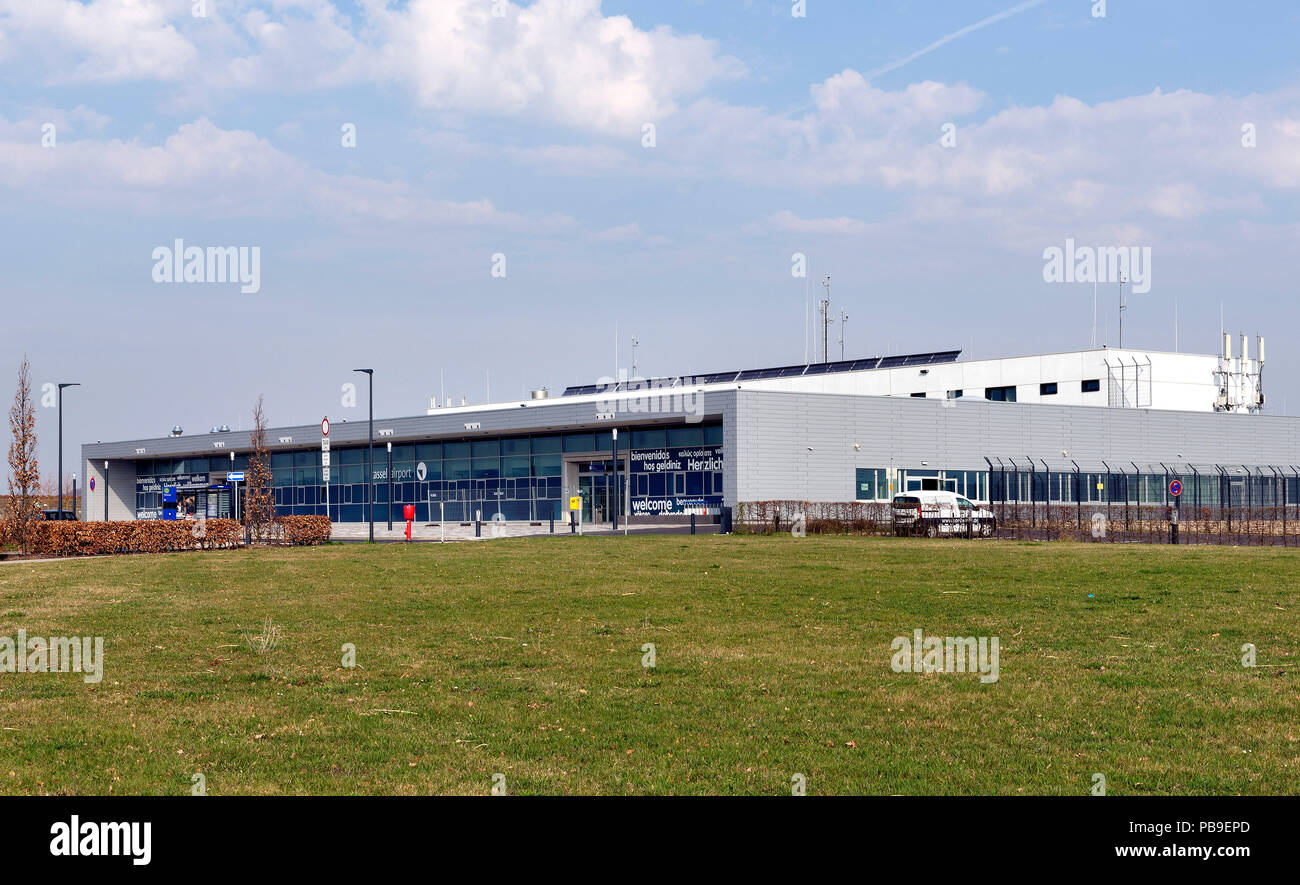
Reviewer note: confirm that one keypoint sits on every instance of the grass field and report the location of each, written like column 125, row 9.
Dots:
column 524, row 657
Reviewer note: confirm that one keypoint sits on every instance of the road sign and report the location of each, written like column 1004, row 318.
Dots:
column 325, row 458
column 92, row 483
column 325, row 474
column 1175, row 488
column 325, row 427
column 324, row 443
column 575, row 502
column 235, row 477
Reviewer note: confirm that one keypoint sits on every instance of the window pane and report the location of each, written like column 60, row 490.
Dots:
column 579, row 442
column 685, row 436
column 648, row 439
column 514, row 465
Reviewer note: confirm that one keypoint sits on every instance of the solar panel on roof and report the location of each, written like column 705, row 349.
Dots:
column 866, row 364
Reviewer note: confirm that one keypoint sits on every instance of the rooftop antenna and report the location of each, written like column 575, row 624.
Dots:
column 634, row 344
column 1123, row 278
column 1094, row 314
column 805, row 317
column 844, row 320
column 826, row 321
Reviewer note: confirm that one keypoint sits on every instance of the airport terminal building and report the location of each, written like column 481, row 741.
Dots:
column 855, row 430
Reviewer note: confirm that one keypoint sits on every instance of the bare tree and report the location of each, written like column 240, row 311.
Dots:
column 24, row 472
column 259, row 506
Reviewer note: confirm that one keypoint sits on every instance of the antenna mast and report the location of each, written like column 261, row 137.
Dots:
column 825, row 309
column 1123, row 278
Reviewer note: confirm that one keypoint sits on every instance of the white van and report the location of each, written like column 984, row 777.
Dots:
column 940, row 513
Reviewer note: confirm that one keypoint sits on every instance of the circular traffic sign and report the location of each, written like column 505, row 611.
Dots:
column 1175, row 488
column 325, row 427
column 92, row 483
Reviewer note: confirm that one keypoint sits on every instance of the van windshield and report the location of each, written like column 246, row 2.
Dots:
column 907, row 499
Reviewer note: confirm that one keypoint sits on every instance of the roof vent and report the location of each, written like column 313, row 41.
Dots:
column 176, row 431
column 541, row 393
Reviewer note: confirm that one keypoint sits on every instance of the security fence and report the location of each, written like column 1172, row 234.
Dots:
column 1173, row 503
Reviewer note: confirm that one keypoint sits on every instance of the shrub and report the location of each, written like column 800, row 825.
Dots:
column 304, row 530
column 161, row 536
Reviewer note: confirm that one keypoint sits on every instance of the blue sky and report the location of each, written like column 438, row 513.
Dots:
column 522, row 134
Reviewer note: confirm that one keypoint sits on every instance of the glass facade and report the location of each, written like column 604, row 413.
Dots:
column 1239, row 489
column 667, row 470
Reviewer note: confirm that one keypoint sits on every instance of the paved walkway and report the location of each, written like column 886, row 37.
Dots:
column 454, row 531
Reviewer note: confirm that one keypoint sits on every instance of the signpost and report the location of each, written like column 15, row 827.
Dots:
column 575, row 512
column 1175, row 489
column 325, row 461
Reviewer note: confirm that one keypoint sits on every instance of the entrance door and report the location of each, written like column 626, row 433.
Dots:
column 594, row 488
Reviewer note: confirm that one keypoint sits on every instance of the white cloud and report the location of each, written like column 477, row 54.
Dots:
column 786, row 221
column 226, row 173
column 108, row 40
column 559, row 61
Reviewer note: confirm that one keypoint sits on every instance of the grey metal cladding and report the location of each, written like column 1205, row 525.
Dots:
column 542, row 417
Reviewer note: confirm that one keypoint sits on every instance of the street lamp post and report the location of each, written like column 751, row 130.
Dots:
column 370, row 446
column 105, row 493
column 613, row 451
column 61, row 386
column 390, row 486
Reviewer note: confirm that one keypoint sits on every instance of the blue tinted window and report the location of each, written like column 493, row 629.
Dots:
column 546, row 465
column 457, row 469
column 685, row 436
column 428, row 452
column 482, row 448
column 455, row 450
column 648, row 439
column 514, row 465
column 517, row 446
column 545, row 445
column 486, row 468
column 579, row 442
column 713, row 435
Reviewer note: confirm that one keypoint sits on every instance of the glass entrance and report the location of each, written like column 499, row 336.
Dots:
column 596, row 486
column 594, row 489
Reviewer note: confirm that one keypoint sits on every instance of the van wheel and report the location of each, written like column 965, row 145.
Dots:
column 988, row 528
column 932, row 530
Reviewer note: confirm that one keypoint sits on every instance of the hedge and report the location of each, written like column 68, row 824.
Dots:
column 160, row 536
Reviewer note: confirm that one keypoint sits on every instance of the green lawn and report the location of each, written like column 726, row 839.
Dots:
column 523, row 657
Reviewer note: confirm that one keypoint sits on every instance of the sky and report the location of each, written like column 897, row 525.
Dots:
column 477, row 198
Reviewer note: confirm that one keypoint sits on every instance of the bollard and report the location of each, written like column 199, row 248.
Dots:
column 478, row 528
column 552, row 523
column 573, row 524
column 692, row 523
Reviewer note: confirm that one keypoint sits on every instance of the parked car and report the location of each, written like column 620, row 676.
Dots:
column 59, row 515
column 940, row 513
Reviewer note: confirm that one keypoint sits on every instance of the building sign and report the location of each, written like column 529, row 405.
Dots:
column 400, row 474
column 157, row 484
column 677, row 505
column 676, row 460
